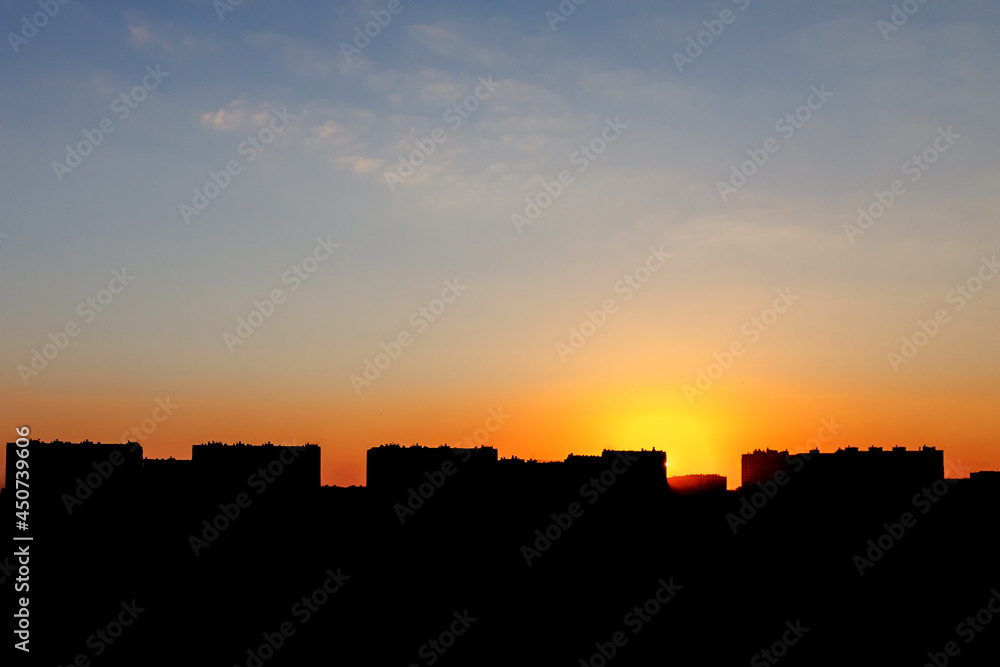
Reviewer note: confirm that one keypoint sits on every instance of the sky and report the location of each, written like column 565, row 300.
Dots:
column 548, row 228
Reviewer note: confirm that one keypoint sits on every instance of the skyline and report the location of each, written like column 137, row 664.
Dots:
column 953, row 470
column 599, row 230
column 230, row 554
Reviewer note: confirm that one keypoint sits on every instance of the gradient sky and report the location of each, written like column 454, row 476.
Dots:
column 855, row 294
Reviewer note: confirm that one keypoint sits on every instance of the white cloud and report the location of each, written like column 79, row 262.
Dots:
column 361, row 165
column 452, row 43
column 239, row 115
column 139, row 33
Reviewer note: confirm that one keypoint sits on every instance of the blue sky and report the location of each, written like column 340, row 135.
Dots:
column 324, row 175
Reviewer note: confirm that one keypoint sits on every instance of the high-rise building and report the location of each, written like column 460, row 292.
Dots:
column 761, row 464
column 863, row 469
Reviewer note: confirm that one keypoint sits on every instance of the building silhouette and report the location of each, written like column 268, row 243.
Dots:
column 761, row 464
column 396, row 468
column 553, row 558
column 874, row 468
column 393, row 467
column 294, row 467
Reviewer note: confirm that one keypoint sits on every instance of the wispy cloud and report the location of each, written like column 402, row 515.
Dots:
column 238, row 115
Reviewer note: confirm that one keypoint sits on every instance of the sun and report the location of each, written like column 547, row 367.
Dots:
column 690, row 443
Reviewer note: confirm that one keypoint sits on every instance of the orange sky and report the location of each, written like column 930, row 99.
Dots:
column 553, row 422
column 250, row 286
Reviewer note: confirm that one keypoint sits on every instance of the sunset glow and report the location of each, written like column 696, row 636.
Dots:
column 597, row 241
